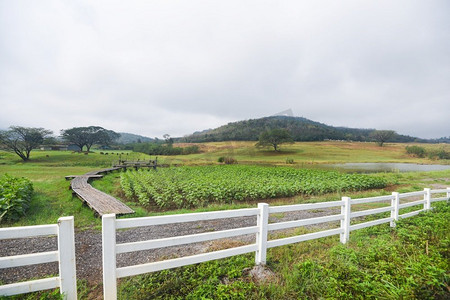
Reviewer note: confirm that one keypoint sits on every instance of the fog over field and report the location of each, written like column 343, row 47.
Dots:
column 156, row 67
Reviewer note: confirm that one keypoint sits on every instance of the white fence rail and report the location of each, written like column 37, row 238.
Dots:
column 110, row 224
column 111, row 249
column 65, row 255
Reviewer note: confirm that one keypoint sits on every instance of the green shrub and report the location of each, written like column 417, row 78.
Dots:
column 15, row 195
column 416, row 151
column 438, row 154
column 228, row 160
column 289, row 161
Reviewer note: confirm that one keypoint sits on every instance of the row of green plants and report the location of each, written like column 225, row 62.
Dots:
column 15, row 196
column 183, row 187
column 411, row 261
column 421, row 152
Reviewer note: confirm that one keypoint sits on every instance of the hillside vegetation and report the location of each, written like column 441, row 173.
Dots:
column 301, row 129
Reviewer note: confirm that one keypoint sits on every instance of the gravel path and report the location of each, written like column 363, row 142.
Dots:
column 89, row 245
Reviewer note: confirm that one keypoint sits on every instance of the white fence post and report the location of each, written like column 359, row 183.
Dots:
column 67, row 264
column 345, row 223
column 261, row 236
column 394, row 205
column 448, row 192
column 109, row 257
column 427, row 196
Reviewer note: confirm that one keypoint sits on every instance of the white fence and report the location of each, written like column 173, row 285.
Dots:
column 65, row 255
column 110, row 224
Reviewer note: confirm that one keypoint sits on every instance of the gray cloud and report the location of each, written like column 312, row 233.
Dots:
column 175, row 67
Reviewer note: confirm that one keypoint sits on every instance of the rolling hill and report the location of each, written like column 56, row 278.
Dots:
column 301, row 129
column 127, row 138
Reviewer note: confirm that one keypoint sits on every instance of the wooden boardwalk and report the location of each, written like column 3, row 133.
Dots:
column 98, row 201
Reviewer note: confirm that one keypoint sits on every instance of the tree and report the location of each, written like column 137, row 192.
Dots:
column 274, row 138
column 382, row 136
column 101, row 136
column 22, row 140
column 168, row 139
column 88, row 136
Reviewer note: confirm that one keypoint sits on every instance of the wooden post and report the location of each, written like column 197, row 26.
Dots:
column 261, row 236
column 427, row 196
column 66, row 251
column 394, row 205
column 345, row 223
column 109, row 257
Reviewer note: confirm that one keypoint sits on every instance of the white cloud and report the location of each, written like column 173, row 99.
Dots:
column 155, row 67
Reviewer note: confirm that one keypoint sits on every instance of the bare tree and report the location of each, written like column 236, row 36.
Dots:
column 21, row 140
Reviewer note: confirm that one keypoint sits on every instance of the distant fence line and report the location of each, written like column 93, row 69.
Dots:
column 65, row 255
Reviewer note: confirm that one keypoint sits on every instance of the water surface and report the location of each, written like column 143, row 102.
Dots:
column 386, row 167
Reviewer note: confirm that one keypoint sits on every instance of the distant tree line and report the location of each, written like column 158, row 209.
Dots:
column 441, row 140
column 22, row 140
column 161, row 147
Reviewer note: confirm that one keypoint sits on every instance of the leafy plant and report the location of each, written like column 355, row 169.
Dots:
column 198, row 186
column 15, row 195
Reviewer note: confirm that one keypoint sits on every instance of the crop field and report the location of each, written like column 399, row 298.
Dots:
column 201, row 185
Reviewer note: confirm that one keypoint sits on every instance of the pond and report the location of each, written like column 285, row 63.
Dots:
column 385, row 167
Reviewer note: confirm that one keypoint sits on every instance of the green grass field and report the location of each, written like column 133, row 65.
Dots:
column 307, row 153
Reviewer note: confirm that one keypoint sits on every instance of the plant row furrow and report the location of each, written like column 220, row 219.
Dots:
column 198, row 186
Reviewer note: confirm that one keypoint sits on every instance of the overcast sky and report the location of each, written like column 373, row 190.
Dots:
column 156, row 67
